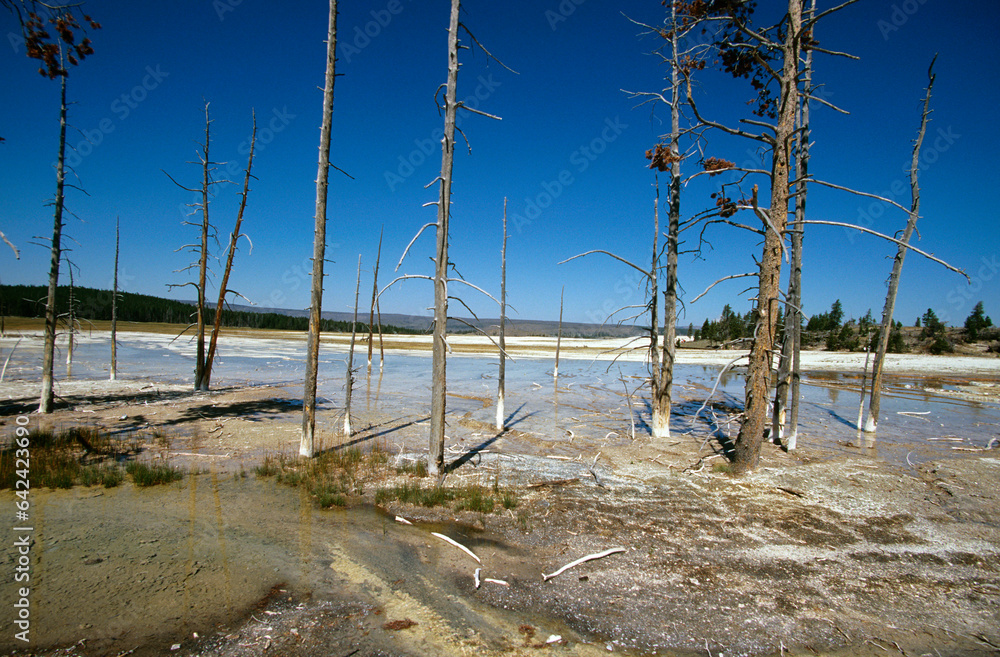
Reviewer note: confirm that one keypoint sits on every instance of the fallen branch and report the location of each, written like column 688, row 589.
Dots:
column 589, row 557
column 458, row 545
column 556, row 482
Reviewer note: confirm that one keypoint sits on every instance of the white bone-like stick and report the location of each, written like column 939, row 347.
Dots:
column 589, row 557
column 458, row 545
column 475, row 576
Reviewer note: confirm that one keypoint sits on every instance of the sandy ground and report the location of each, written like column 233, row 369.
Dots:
column 827, row 550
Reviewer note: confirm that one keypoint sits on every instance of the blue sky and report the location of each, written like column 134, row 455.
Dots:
column 570, row 140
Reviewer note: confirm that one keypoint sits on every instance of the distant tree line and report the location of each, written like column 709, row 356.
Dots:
column 95, row 305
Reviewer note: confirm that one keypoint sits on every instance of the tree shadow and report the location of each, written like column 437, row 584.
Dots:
column 252, row 411
column 27, row 405
column 474, row 451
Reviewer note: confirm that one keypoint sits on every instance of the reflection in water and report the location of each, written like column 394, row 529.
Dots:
column 586, row 399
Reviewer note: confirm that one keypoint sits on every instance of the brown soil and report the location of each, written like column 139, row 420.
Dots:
column 811, row 554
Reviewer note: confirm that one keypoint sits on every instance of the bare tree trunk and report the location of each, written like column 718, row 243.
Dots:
column 747, row 449
column 307, row 444
column 233, row 239
column 654, row 305
column 114, row 309
column 662, row 403
column 435, row 461
column 71, row 323
column 381, row 347
column 503, row 322
column 371, row 315
column 48, row 358
column 793, row 315
column 786, row 397
column 199, row 371
column 871, row 422
column 555, row 371
column 350, row 357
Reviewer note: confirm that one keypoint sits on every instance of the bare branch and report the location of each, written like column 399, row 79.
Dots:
column 608, row 253
column 407, row 249
column 891, row 239
column 726, row 278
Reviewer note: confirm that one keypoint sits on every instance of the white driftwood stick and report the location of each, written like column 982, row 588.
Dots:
column 589, row 557
column 496, row 581
column 475, row 576
column 458, row 545
column 403, row 520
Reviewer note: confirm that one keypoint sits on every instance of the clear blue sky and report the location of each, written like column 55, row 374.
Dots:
column 139, row 100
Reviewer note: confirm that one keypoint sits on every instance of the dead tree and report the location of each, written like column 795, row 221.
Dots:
column 350, row 357
column 787, row 391
column 233, row 243
column 57, row 46
column 45, row 404
column 307, row 444
column 114, row 309
column 441, row 279
column 201, row 248
column 371, row 315
column 555, row 370
column 874, row 405
column 503, row 322
column 770, row 62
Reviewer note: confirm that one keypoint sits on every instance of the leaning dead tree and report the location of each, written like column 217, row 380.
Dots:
column 205, row 357
column 307, row 443
column 200, row 248
column 555, row 369
column 371, row 315
column 234, row 239
column 871, row 422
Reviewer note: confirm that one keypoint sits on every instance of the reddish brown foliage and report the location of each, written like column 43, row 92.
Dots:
column 43, row 46
column 661, row 157
column 716, row 165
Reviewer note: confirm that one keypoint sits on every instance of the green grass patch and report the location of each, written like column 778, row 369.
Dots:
column 475, row 498
column 147, row 474
column 82, row 455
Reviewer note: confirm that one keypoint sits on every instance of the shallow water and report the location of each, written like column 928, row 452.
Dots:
column 587, row 407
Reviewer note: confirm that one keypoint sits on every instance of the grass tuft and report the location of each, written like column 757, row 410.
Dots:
column 145, row 474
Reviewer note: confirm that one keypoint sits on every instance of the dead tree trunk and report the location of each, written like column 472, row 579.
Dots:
column 503, row 321
column 786, row 396
column 371, row 315
column 199, row 372
column 435, row 462
column 874, row 405
column 746, row 453
column 307, row 443
column 223, row 285
column 350, row 358
column 662, row 401
column 555, row 370
column 114, row 309
column 793, row 313
column 70, row 321
column 48, row 358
